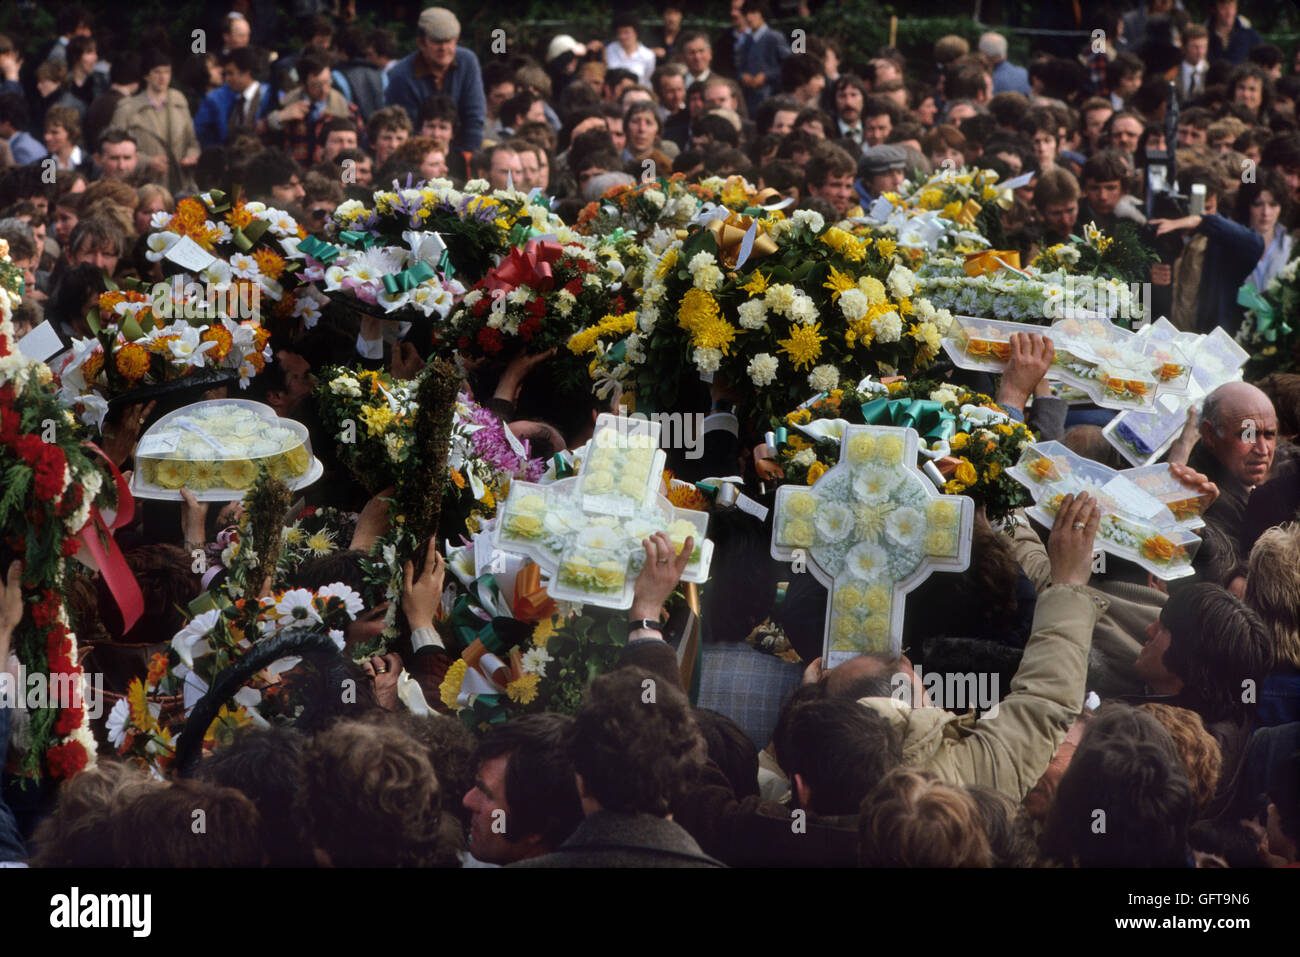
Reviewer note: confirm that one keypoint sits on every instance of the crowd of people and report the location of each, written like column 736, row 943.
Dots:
column 1173, row 708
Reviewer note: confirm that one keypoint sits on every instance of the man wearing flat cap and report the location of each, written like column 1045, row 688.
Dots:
column 879, row 171
column 440, row 66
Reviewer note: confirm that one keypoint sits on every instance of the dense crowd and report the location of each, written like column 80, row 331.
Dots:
column 1136, row 722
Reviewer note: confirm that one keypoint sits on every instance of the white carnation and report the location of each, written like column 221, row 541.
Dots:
column 708, row 278
column 701, row 261
column 887, row 327
column 780, row 298
column 762, row 369
column 707, row 360
column 810, row 218
column 824, row 378
column 753, row 314
column 854, row 304
column 902, row 281
column 803, row 310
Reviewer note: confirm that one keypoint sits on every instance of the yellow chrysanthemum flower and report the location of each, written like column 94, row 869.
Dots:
column 886, row 247
column 804, row 345
column 696, row 307
column 238, row 473
column 839, row 282
column 449, row 690
column 757, row 284
column 713, row 333
column 138, row 702
column 523, row 690
column 543, row 631
column 667, row 263
column 376, row 418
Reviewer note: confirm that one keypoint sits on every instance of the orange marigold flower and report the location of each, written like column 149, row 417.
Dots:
column 93, row 365
column 261, row 336
column 257, row 361
column 157, row 670
column 270, row 262
column 190, row 210
column 239, row 216
column 160, row 345
column 132, row 360
column 109, row 300
column 223, row 339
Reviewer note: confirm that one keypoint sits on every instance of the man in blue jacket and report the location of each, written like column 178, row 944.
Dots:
column 440, row 66
column 1231, row 37
column 235, row 104
column 759, row 55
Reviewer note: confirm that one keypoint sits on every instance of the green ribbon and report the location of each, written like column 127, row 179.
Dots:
column 617, row 353
column 319, row 250
column 486, row 709
column 562, row 468
column 1265, row 315
column 928, row 417
column 444, row 264
column 408, row 279
column 520, row 233
column 468, row 626
column 358, row 240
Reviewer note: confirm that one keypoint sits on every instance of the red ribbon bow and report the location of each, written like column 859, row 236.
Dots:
column 529, row 266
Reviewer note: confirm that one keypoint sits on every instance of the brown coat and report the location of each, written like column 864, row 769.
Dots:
column 168, row 131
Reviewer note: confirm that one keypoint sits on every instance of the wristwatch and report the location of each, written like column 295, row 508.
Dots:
column 653, row 624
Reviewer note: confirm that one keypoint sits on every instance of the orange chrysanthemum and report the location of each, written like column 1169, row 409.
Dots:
column 270, row 262
column 93, row 365
column 132, row 360
column 157, row 670
column 221, row 336
column 160, row 345
column 109, row 300
column 239, row 216
column 261, row 336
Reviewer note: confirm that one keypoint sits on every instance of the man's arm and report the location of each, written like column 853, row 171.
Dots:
column 1010, row 749
column 472, row 104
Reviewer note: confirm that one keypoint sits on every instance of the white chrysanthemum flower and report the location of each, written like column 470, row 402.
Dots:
column 762, row 369
column 853, row 303
column 634, row 350
column 834, row 521
column 519, row 295
column 646, row 318
column 534, row 660
column 477, row 186
column 707, row 360
column 655, row 198
column 824, row 378
column 945, row 395
column 244, row 266
column 349, row 597
column 804, row 458
column 346, row 385
column 867, row 561
column 752, row 313
column 873, row 485
column 905, row 527
column 887, row 327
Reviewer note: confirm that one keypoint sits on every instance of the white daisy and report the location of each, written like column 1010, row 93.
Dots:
column 874, row 485
column 350, row 598
column 188, row 639
column 117, row 721
column 534, row 661
column 296, row 606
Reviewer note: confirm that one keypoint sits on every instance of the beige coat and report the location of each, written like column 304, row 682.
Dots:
column 168, row 131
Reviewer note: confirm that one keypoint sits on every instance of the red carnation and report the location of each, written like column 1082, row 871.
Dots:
column 529, row 328
column 69, row 721
column 537, row 307
column 573, row 287
column 65, row 760
column 463, row 342
column 480, row 307
column 70, row 547
column 489, row 340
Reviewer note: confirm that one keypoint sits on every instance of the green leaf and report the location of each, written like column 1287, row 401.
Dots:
column 17, row 478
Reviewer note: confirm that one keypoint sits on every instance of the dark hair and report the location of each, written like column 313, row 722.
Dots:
column 244, row 59
column 516, row 107
column 773, row 105
column 966, row 82
column 840, row 748
column 1267, row 179
column 1007, row 826
column 440, row 107
column 633, row 742
column 308, row 65
column 126, row 68
column 1216, row 643
column 1124, row 801
column 13, row 110
column 114, row 135
column 157, row 828
column 270, row 168
column 384, row 43
column 625, row 18
column 731, row 750
column 798, row 69
column 154, row 57
column 828, row 161
column 260, row 763
column 164, row 574
column 540, row 790
column 75, row 286
column 911, row 818
column 1104, row 166
column 368, row 797
column 717, row 128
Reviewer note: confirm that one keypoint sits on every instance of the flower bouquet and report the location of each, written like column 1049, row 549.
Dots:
column 138, row 350
column 54, row 487
column 773, row 306
column 1266, row 332
column 478, row 226
column 950, row 209
column 969, row 440
column 870, row 529
column 1122, row 255
column 666, row 203
column 536, row 299
column 1135, row 525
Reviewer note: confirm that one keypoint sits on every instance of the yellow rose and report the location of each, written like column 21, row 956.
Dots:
column 524, row 524
column 847, row 597
column 798, row 533
column 610, row 574
column 598, row 482
column 958, row 441
column 861, row 448
column 878, row 600
column 578, row 567
column 844, row 628
column 876, row 628
column 890, row 449
column 800, row 504
column 815, row 471
column 966, row 473
column 992, row 472
column 944, row 515
column 679, row 531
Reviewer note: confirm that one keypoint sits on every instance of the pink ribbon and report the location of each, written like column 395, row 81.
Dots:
column 530, row 266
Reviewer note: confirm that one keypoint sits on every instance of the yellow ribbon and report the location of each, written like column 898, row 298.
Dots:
column 978, row 264
column 969, row 210
column 730, row 234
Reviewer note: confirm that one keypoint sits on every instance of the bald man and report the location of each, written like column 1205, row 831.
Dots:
column 1237, row 450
